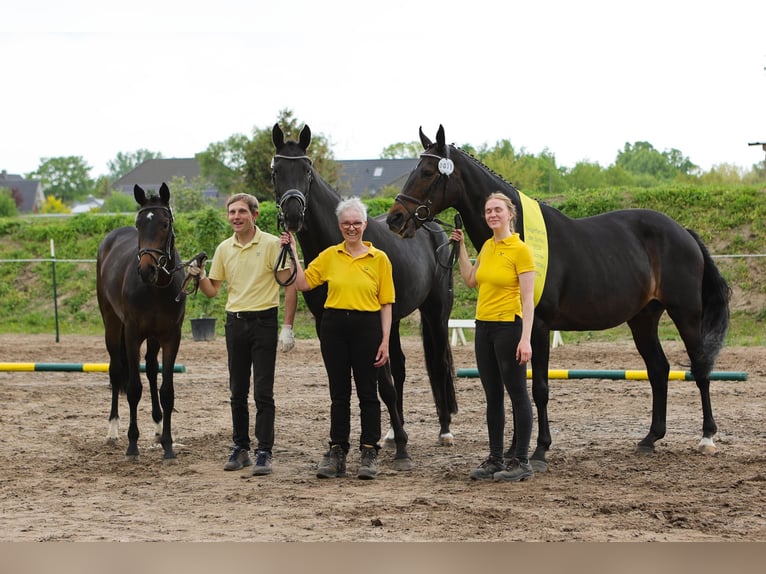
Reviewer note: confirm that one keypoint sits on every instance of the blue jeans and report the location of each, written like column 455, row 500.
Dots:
column 251, row 344
column 349, row 341
column 495, row 346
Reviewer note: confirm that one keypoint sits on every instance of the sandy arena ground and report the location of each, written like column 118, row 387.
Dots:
column 61, row 481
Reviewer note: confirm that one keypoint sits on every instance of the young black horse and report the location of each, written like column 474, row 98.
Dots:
column 624, row 266
column 307, row 207
column 138, row 288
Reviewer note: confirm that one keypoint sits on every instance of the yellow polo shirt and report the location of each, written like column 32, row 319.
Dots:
column 361, row 283
column 248, row 271
column 497, row 277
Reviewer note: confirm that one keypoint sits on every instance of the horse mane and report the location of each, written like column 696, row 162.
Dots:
column 484, row 166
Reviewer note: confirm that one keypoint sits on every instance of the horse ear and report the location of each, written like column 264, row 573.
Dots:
column 424, row 139
column 277, row 136
column 305, row 138
column 440, row 135
column 139, row 194
column 165, row 193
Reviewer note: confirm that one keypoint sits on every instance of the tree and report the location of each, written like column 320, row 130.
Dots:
column 188, row 196
column 54, row 205
column 586, row 175
column 240, row 163
column 402, row 150
column 127, row 161
column 66, row 178
column 641, row 159
column 7, row 203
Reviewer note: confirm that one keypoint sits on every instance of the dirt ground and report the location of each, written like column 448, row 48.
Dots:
column 61, row 481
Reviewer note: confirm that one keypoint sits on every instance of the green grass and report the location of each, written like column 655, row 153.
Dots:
column 729, row 220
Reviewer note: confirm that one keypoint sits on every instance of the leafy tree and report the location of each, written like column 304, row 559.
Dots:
column 127, row 161
column 586, row 175
column 652, row 166
column 188, row 195
column 66, row 178
column 7, row 203
column 53, row 204
column 402, row 150
column 244, row 164
column 119, row 203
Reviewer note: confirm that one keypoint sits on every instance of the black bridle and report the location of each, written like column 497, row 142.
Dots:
column 289, row 195
column 163, row 258
column 422, row 211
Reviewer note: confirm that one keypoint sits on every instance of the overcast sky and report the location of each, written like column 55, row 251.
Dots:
column 578, row 78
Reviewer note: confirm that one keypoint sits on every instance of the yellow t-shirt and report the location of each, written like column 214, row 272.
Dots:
column 361, row 283
column 248, row 271
column 497, row 277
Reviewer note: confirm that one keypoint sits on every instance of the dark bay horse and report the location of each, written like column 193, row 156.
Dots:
column 307, row 207
column 138, row 286
column 623, row 266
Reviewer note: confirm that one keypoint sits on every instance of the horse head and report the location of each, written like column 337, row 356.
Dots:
column 425, row 192
column 156, row 238
column 292, row 174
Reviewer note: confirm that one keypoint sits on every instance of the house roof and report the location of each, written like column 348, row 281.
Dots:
column 153, row 172
column 28, row 193
column 366, row 177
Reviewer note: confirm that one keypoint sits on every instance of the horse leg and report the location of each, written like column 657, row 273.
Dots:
column 644, row 329
column 167, row 394
column 152, row 369
column 434, row 317
column 134, row 390
column 398, row 372
column 701, row 365
column 541, row 351
column 387, row 392
column 117, row 380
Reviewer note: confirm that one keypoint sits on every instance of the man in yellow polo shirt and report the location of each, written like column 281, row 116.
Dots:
column 246, row 262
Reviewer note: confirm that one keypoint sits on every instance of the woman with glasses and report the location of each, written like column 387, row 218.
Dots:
column 354, row 333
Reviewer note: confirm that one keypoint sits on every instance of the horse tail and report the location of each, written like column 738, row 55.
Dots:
column 716, row 295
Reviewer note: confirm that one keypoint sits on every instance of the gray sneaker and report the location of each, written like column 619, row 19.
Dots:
column 516, row 472
column 239, row 458
column 367, row 468
column 487, row 469
column 333, row 463
column 262, row 463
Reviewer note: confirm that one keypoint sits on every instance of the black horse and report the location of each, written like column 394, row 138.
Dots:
column 624, row 266
column 307, row 206
column 139, row 290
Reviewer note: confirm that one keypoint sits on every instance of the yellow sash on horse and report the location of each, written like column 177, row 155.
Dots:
column 536, row 236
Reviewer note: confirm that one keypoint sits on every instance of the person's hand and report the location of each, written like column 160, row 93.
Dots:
column 456, row 235
column 286, row 339
column 196, row 271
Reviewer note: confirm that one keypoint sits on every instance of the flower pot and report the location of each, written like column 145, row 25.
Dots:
column 203, row 328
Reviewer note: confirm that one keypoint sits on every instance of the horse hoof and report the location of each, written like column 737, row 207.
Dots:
column 446, row 439
column 400, row 464
column 643, row 449
column 170, row 461
column 157, row 437
column 131, row 458
column 706, row 446
column 538, row 465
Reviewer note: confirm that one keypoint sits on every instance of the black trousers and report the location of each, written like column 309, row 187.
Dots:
column 251, row 344
column 349, row 341
column 495, row 345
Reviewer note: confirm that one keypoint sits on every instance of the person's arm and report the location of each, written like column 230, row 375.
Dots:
column 209, row 287
column 385, row 323
column 527, row 284
column 300, row 282
column 286, row 335
column 467, row 271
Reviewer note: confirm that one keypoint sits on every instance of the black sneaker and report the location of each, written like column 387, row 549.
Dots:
column 239, row 458
column 516, row 472
column 487, row 469
column 333, row 463
column 367, row 470
column 262, row 463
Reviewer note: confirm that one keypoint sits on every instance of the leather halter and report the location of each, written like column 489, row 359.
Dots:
column 295, row 194
column 422, row 212
column 163, row 258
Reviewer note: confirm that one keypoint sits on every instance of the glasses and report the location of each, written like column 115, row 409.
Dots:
column 351, row 224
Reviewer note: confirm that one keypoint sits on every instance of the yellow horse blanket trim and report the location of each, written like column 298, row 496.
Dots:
column 536, row 236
